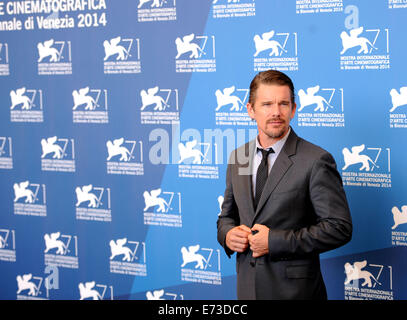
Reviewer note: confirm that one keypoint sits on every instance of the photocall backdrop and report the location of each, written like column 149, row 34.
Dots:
column 117, row 119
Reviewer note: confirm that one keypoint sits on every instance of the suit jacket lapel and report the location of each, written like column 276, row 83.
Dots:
column 246, row 176
column 280, row 167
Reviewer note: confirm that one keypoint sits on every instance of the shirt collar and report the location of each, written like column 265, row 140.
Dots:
column 276, row 146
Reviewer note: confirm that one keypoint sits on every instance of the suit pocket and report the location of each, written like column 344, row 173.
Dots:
column 302, row 271
column 285, row 194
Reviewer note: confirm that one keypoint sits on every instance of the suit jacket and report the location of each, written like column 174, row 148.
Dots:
column 304, row 205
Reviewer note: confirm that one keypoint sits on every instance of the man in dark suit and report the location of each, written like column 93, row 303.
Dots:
column 284, row 202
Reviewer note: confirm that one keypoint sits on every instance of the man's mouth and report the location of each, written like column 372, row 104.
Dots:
column 275, row 122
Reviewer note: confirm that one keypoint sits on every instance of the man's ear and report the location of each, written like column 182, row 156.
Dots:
column 293, row 110
column 250, row 110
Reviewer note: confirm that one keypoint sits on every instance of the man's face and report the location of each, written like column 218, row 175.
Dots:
column 273, row 111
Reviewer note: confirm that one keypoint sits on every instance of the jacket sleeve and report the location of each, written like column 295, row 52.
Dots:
column 229, row 217
column 333, row 224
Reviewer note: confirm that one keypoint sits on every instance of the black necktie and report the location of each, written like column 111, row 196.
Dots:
column 262, row 173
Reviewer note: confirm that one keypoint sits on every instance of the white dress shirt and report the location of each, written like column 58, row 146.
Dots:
column 270, row 160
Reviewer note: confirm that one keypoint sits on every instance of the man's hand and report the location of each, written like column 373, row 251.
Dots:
column 237, row 238
column 259, row 242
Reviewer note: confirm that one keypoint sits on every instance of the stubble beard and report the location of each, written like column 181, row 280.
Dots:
column 276, row 134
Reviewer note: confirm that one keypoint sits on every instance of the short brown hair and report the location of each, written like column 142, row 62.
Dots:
column 270, row 77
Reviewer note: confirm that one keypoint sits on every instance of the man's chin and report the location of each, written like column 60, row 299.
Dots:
column 276, row 134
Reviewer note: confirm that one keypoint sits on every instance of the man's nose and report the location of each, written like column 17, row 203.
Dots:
column 275, row 110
